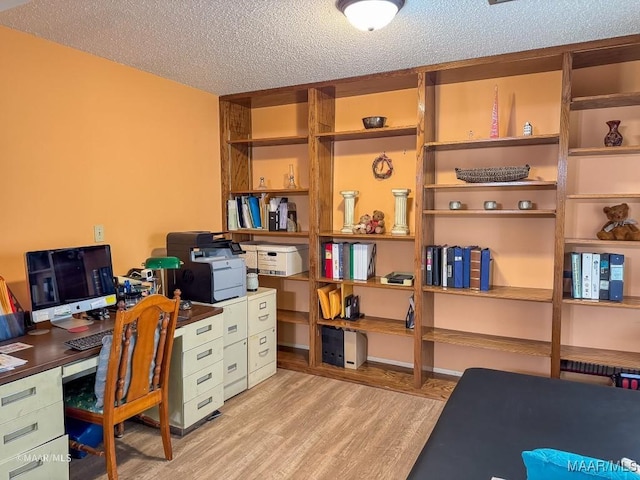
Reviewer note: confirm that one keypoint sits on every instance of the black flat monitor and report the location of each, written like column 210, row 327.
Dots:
column 66, row 282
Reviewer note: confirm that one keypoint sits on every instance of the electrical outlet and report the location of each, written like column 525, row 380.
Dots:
column 98, row 233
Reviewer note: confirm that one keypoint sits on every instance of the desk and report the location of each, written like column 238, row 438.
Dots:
column 31, row 407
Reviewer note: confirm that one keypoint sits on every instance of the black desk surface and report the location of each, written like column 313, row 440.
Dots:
column 49, row 350
column 492, row 416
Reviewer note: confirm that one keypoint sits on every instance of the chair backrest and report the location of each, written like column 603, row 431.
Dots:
column 148, row 329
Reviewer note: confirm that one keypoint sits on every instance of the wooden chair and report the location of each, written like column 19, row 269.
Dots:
column 146, row 371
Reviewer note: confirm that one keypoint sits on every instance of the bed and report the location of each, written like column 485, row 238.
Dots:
column 493, row 416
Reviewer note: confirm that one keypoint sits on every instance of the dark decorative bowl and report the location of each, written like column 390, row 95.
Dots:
column 374, row 122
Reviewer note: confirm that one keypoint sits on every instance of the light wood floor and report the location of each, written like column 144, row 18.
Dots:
column 292, row 426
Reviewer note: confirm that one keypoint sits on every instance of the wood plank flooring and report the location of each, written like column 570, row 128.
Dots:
column 292, row 426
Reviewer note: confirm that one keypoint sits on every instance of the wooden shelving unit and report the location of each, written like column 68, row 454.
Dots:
column 319, row 105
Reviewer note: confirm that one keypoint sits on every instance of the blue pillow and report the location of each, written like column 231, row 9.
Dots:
column 547, row 464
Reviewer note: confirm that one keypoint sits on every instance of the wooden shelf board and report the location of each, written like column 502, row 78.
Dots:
column 390, row 377
column 376, row 237
column 524, row 184
column 495, row 142
column 602, row 196
column 626, row 99
column 373, row 282
column 613, row 358
column 604, row 151
column 627, row 302
column 298, row 277
column 498, row 291
column 491, row 342
column 371, row 324
column 505, row 212
column 258, row 231
column 271, row 142
column 369, row 133
column 284, row 192
column 293, row 358
column 601, row 243
column 291, row 316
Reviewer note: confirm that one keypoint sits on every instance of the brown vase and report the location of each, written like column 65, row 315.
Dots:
column 613, row 138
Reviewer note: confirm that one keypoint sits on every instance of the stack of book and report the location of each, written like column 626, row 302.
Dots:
column 246, row 211
column 596, row 276
column 348, row 260
column 458, row 267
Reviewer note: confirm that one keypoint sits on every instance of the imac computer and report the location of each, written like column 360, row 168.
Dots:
column 66, row 282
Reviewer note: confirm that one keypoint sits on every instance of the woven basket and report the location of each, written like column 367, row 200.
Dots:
column 492, row 174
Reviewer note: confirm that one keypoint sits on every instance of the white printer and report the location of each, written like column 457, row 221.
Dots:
column 212, row 269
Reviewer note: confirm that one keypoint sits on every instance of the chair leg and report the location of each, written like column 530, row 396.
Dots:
column 110, row 452
column 164, row 430
column 120, row 430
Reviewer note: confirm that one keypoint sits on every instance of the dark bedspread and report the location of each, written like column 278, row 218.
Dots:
column 492, row 416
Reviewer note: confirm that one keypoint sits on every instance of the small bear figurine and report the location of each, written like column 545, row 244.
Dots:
column 619, row 226
column 377, row 222
column 363, row 225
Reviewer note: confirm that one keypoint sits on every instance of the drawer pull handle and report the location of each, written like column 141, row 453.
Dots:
column 263, row 305
column 25, row 469
column 232, row 368
column 202, row 330
column 205, row 354
column 232, row 329
column 263, row 317
column 263, row 353
column 204, row 403
column 263, row 340
column 11, row 437
column 204, row 378
column 16, row 397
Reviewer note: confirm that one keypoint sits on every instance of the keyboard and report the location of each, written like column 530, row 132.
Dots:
column 88, row 342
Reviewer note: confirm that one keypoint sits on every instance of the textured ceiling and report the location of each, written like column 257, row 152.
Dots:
column 231, row 46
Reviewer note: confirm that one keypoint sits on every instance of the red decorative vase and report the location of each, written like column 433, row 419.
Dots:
column 613, row 138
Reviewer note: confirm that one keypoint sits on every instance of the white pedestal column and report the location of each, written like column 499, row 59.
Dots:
column 400, row 226
column 349, row 207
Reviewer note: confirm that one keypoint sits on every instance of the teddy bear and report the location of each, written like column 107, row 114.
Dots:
column 363, row 224
column 619, row 226
column 377, row 222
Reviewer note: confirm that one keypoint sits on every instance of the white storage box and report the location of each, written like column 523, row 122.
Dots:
column 283, row 260
column 250, row 256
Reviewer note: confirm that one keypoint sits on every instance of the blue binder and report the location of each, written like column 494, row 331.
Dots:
column 458, row 267
column 616, row 276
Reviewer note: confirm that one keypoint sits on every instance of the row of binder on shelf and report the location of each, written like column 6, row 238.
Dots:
column 596, row 276
column 348, row 260
column 458, row 267
column 250, row 211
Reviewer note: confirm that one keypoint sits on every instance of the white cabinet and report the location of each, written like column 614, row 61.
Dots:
column 262, row 346
column 32, row 424
column 196, row 375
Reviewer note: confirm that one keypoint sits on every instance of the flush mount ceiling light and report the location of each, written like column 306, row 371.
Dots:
column 369, row 15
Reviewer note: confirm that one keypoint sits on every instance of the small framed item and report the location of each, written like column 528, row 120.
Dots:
column 398, row 278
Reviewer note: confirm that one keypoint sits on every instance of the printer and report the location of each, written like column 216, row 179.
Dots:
column 212, row 268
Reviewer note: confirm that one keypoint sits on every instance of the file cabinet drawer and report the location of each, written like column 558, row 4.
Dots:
column 262, row 312
column 235, row 320
column 235, row 362
column 234, row 388
column 262, row 349
column 35, row 428
column 203, row 405
column 201, row 381
column 29, row 394
column 46, row 462
column 201, row 332
column 202, row 356
column 261, row 374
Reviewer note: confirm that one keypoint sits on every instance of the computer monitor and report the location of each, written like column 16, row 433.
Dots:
column 66, row 282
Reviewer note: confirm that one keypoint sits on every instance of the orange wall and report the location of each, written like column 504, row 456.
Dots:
column 86, row 141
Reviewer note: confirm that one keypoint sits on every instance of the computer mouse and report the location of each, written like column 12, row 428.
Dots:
column 185, row 305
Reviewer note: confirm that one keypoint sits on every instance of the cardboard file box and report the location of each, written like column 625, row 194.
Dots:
column 251, row 255
column 355, row 349
column 283, row 260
